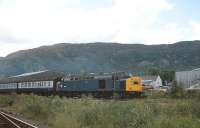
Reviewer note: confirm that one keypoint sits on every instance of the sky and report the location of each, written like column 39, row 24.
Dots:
column 26, row 24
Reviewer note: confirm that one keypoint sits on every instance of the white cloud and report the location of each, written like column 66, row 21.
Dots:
column 7, row 48
column 44, row 22
column 195, row 30
column 169, row 33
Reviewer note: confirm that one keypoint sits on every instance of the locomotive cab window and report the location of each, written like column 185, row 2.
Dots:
column 102, row 84
column 135, row 82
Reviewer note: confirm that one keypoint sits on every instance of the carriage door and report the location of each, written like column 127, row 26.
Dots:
column 102, row 84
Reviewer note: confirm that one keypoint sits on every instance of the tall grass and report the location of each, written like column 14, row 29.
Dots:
column 6, row 101
column 63, row 112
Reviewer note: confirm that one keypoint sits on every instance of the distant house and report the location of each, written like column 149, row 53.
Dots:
column 152, row 81
column 187, row 79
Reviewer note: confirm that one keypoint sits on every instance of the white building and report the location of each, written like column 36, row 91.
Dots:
column 152, row 81
column 188, row 79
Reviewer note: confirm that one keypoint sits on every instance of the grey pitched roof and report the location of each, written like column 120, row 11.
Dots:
column 34, row 76
column 149, row 78
column 28, row 74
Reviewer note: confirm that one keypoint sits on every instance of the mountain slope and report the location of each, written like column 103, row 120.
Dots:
column 97, row 57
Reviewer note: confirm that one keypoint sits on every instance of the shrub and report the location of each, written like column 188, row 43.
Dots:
column 7, row 100
column 63, row 120
column 176, row 91
column 193, row 94
column 154, row 94
column 34, row 107
column 183, row 109
column 86, row 112
column 195, row 105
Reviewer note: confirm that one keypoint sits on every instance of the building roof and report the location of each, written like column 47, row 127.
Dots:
column 28, row 74
column 197, row 69
column 34, row 76
column 149, row 78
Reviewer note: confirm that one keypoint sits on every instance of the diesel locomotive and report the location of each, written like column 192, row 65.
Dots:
column 53, row 83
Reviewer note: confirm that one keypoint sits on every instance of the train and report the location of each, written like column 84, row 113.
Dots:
column 54, row 83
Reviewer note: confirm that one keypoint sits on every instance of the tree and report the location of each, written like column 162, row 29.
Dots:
column 176, row 91
column 166, row 75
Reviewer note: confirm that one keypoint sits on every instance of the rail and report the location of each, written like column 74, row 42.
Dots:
column 8, row 121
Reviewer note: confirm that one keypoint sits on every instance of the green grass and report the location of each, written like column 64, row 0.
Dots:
column 149, row 112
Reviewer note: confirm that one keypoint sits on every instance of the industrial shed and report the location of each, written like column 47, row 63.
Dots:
column 188, row 79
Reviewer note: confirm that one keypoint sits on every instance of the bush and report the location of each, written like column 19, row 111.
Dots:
column 176, row 91
column 154, row 94
column 34, row 107
column 64, row 112
column 193, row 94
column 195, row 105
column 6, row 100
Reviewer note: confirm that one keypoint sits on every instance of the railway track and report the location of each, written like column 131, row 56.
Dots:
column 8, row 121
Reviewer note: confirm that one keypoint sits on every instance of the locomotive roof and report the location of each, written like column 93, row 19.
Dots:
column 34, row 76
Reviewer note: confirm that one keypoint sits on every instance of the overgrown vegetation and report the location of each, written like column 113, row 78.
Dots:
column 167, row 75
column 177, row 91
column 149, row 112
column 6, row 101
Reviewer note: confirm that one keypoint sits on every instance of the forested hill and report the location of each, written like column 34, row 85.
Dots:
column 103, row 57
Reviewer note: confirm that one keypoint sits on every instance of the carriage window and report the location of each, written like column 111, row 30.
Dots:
column 41, row 84
column 33, row 84
column 29, row 84
column 44, row 83
column 102, row 84
column 25, row 85
column 51, row 83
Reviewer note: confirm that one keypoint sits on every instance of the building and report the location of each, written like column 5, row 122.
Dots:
column 152, row 81
column 187, row 79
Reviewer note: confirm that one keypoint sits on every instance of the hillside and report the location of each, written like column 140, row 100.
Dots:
column 98, row 57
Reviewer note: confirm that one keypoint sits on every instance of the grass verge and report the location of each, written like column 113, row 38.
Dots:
column 59, row 112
